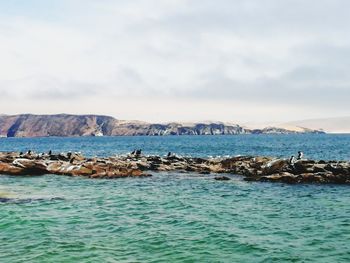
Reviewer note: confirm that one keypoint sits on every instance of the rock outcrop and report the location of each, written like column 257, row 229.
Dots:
column 65, row 164
column 28, row 125
column 253, row 168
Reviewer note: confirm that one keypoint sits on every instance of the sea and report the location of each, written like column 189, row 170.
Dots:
column 175, row 217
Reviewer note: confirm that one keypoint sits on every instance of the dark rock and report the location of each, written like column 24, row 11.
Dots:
column 222, row 178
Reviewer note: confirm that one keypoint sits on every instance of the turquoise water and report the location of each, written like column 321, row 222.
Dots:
column 174, row 217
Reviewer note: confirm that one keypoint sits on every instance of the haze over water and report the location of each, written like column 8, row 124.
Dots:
column 174, row 217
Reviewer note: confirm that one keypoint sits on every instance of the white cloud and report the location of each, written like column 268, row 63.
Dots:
column 268, row 58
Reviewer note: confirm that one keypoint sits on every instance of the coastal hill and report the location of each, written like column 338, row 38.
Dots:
column 330, row 125
column 29, row 125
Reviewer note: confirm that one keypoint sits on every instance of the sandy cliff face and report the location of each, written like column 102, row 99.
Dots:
column 28, row 125
column 330, row 125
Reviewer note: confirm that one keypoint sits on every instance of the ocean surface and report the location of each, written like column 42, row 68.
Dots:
column 173, row 217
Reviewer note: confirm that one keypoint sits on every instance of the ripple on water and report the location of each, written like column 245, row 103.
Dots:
column 173, row 217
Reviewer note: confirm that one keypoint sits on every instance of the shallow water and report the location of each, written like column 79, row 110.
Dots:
column 174, row 217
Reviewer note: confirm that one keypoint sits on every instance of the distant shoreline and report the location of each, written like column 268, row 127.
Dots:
column 184, row 135
column 175, row 135
column 66, row 125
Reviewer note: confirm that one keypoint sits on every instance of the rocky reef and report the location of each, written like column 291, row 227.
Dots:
column 29, row 125
column 70, row 164
column 252, row 168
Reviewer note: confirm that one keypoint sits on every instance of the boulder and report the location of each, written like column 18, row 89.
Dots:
column 284, row 177
column 216, row 168
column 144, row 165
column 31, row 167
column 6, row 168
column 309, row 178
column 29, row 164
column 336, row 168
column 80, row 170
column 319, row 168
column 274, row 166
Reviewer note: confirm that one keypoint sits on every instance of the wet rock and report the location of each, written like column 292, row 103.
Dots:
column 222, row 178
column 274, row 166
column 174, row 158
column 231, row 163
column 279, row 177
column 164, row 168
column 303, row 166
column 54, row 167
column 30, row 164
column 336, row 168
column 25, row 167
column 81, row 171
column 319, row 168
column 216, row 168
column 285, row 177
column 6, row 168
column 143, row 165
column 198, row 160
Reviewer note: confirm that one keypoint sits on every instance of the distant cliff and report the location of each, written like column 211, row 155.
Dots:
column 28, row 125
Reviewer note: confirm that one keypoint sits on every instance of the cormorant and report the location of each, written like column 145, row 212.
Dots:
column 300, row 155
column 138, row 152
column 292, row 159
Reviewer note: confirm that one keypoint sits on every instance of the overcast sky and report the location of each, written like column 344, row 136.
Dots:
column 166, row 60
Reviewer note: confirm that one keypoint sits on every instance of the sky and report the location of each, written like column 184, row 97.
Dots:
column 176, row 60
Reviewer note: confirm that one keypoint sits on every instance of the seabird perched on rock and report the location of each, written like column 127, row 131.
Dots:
column 300, row 155
column 138, row 152
column 292, row 159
